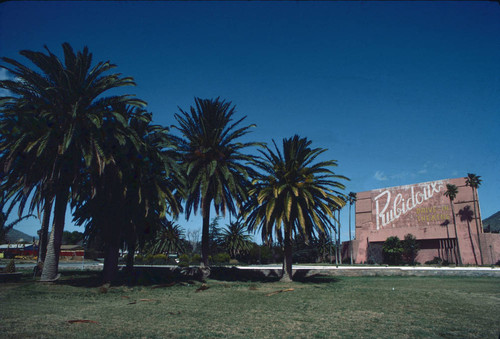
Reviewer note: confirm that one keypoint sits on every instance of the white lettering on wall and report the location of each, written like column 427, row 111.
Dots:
column 394, row 209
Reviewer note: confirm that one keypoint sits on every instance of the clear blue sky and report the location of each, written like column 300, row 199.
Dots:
column 398, row 92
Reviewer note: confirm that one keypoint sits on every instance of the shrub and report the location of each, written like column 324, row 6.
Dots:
column 139, row 259
column 184, row 260
column 195, row 259
column 159, row 259
column 392, row 251
column 410, row 248
column 221, row 258
column 435, row 261
column 11, row 267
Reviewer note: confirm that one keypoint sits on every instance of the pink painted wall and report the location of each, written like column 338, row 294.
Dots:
column 423, row 210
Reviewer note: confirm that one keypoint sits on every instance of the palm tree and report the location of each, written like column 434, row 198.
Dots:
column 66, row 101
column 351, row 198
column 466, row 215
column 474, row 181
column 451, row 193
column 168, row 240
column 214, row 162
column 235, row 239
column 135, row 191
column 292, row 194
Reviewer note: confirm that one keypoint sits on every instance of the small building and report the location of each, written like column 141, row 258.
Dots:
column 424, row 211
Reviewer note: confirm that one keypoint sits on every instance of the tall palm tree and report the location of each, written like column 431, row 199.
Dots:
column 466, row 215
column 235, row 239
column 474, row 182
column 215, row 166
column 351, row 198
column 451, row 193
column 66, row 100
column 292, row 194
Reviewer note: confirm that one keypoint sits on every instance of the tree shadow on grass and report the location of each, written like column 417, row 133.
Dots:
column 267, row 275
column 151, row 276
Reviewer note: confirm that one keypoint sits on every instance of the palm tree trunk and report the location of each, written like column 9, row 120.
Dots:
column 474, row 193
column 350, row 239
column 338, row 241
column 51, row 263
column 287, row 256
column 447, row 243
column 110, row 267
column 131, row 242
column 471, row 242
column 459, row 255
column 44, row 231
column 205, row 231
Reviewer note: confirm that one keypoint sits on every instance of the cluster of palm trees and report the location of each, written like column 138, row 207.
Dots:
column 473, row 181
column 67, row 139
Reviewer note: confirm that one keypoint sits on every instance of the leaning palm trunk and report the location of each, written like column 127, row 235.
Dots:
column 474, row 193
column 471, row 242
column 459, row 255
column 51, row 263
column 287, row 256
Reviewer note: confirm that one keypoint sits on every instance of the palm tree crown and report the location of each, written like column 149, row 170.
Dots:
column 293, row 194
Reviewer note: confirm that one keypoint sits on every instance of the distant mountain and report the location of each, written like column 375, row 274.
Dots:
column 17, row 236
column 493, row 222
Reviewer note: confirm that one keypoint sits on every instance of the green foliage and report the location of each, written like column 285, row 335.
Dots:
column 169, row 239
column 221, row 258
column 410, row 248
column 392, row 251
column 72, row 238
column 186, row 259
column 235, row 239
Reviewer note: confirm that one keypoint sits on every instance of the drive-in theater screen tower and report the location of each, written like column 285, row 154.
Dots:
column 424, row 211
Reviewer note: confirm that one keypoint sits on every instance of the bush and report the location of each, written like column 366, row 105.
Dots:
column 410, row 248
column 11, row 267
column 139, row 259
column 221, row 258
column 159, row 259
column 195, row 259
column 435, row 261
column 392, row 251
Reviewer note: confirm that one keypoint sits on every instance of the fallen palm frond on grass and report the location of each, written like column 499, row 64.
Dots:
column 280, row 291
column 82, row 321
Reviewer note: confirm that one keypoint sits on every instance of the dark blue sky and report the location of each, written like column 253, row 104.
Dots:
column 398, row 92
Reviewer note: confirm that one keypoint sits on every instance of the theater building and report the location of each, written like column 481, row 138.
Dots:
column 423, row 210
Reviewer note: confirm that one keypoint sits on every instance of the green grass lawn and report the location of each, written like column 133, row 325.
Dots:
column 323, row 307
